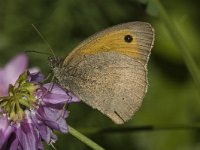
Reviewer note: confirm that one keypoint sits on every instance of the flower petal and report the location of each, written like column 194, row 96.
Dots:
column 54, row 118
column 45, row 132
column 36, row 77
column 73, row 98
column 11, row 72
column 28, row 136
column 13, row 142
column 55, row 88
column 15, row 67
column 57, row 95
column 3, row 83
column 5, row 130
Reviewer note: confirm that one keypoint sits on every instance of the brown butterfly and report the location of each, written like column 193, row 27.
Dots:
column 108, row 71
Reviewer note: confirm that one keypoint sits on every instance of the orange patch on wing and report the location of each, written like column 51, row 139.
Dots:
column 110, row 42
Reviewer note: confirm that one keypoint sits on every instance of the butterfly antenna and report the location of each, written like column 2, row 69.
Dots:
column 42, row 37
column 33, row 51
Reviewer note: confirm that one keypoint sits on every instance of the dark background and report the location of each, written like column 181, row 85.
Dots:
column 172, row 98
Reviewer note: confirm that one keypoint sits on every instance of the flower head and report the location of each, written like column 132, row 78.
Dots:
column 31, row 110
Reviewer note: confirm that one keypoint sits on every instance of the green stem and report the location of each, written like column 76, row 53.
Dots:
column 180, row 42
column 141, row 128
column 84, row 139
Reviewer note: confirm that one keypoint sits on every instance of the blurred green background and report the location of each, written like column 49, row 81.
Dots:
column 173, row 97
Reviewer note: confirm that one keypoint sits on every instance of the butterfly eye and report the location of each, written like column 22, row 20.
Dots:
column 128, row 38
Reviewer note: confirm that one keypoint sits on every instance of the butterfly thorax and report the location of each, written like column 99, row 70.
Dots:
column 55, row 63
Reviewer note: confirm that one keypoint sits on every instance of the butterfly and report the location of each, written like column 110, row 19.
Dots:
column 108, row 71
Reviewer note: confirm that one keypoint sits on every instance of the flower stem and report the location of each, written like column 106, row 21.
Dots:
column 180, row 42
column 142, row 128
column 84, row 139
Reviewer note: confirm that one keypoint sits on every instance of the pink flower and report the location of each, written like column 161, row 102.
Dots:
column 29, row 109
